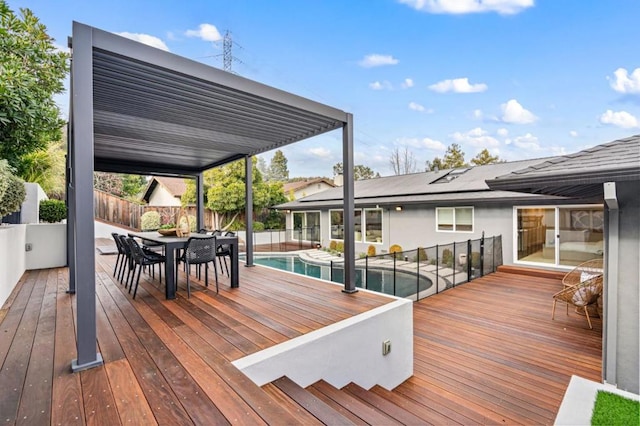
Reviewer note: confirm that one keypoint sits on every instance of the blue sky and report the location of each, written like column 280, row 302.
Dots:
column 522, row 78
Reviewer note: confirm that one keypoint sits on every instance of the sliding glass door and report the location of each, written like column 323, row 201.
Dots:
column 564, row 236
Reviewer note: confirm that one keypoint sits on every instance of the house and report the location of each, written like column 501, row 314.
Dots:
column 441, row 207
column 164, row 191
column 304, row 188
column 609, row 174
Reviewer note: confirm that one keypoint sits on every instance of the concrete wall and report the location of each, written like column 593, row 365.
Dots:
column 626, row 303
column 12, row 260
column 30, row 210
column 48, row 245
column 344, row 352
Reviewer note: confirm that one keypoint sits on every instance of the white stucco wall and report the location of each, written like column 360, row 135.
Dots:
column 344, row 352
column 30, row 210
column 48, row 245
column 12, row 260
column 161, row 197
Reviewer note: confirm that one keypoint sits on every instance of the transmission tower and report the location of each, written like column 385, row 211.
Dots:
column 227, row 55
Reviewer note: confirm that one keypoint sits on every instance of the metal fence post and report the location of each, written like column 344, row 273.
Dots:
column 453, row 263
column 394, row 274
column 482, row 255
column 469, row 260
column 331, row 270
column 417, row 274
column 437, row 272
column 366, row 272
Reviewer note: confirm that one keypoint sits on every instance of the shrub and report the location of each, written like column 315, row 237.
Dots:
column 274, row 220
column 371, row 250
column 150, row 221
column 258, row 226
column 52, row 211
column 475, row 259
column 193, row 223
column 396, row 251
column 447, row 257
column 421, row 254
column 332, row 245
column 340, row 247
column 14, row 195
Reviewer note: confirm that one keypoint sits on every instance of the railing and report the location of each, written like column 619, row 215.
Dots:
column 284, row 240
column 423, row 272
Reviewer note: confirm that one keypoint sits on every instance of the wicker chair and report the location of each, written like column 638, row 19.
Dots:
column 583, row 287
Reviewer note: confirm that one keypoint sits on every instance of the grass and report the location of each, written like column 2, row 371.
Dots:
column 613, row 410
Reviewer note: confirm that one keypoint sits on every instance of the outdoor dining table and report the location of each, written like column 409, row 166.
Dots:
column 172, row 243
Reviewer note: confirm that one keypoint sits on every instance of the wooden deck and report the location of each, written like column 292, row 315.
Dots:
column 485, row 352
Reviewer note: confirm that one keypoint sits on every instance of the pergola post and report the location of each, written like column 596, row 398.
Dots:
column 248, row 189
column 200, row 201
column 71, row 221
column 82, row 182
column 348, row 216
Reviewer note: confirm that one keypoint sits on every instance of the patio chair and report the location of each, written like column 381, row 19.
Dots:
column 127, row 260
column 223, row 251
column 142, row 258
column 198, row 251
column 121, row 252
column 580, row 295
column 584, row 271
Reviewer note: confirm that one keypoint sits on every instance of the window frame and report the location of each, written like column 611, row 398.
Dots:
column 454, row 224
column 363, row 225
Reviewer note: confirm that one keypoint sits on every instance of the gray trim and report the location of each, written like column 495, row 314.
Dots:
column 248, row 188
column 610, row 297
column 348, row 191
column 82, row 179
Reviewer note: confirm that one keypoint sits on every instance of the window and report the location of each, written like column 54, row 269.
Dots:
column 454, row 219
column 306, row 226
column 367, row 225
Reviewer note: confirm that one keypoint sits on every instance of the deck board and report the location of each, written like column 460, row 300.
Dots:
column 485, row 352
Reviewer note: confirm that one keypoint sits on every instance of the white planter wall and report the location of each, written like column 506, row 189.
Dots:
column 48, row 245
column 12, row 260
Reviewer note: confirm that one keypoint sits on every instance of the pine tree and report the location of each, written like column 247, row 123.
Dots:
column 278, row 170
column 484, row 157
column 454, row 157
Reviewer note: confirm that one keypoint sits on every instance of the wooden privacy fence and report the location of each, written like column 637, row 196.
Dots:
column 123, row 212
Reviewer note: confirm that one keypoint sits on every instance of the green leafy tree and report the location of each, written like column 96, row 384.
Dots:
column 225, row 192
column 484, row 157
column 278, row 170
column 133, row 185
column 435, row 164
column 360, row 172
column 32, row 71
column 46, row 167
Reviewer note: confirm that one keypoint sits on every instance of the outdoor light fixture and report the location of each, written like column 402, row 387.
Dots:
column 398, row 208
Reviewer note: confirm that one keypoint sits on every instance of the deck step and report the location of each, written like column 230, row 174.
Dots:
column 535, row 272
column 311, row 403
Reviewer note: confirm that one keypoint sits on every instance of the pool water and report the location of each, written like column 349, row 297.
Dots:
column 377, row 279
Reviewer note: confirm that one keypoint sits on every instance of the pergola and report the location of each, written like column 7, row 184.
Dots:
column 137, row 109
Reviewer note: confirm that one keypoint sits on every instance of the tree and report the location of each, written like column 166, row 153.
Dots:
column 484, row 157
column 46, row 167
column 262, row 167
column 120, row 185
column 225, row 192
column 278, row 170
column 454, row 157
column 32, row 71
column 435, row 165
column 360, row 172
column 12, row 191
column 402, row 161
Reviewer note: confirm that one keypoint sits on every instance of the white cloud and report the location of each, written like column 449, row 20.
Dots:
column 206, row 32
column 624, row 82
column 573, row 134
column 528, row 142
column 503, row 7
column 380, row 85
column 513, row 112
column 408, row 82
column 478, row 114
column 416, row 107
column 619, row 118
column 147, row 39
column 458, row 85
column 427, row 143
column 376, row 60
column 320, row 152
column 502, row 132
column 477, row 137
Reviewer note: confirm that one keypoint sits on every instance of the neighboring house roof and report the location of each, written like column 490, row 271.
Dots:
column 297, row 186
column 452, row 185
column 577, row 175
column 175, row 186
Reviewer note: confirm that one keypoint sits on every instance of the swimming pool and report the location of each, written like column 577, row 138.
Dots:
column 376, row 279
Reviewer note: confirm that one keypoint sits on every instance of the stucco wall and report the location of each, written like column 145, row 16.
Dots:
column 30, row 210
column 162, row 197
column 12, row 260
column 628, row 298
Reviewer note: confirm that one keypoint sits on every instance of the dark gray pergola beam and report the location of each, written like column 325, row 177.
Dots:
column 82, row 181
column 348, row 210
